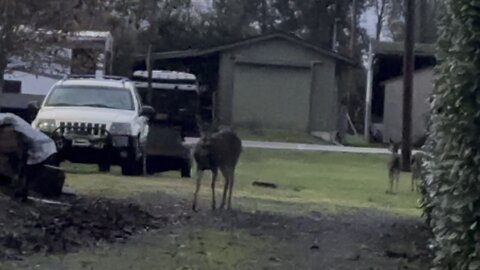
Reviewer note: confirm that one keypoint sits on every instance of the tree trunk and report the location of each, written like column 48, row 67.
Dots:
column 408, row 67
column 351, row 83
column 264, row 23
column 380, row 16
column 379, row 28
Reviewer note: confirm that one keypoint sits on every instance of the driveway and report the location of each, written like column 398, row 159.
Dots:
column 304, row 147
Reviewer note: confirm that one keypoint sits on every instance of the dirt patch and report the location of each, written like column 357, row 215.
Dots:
column 355, row 239
column 38, row 227
column 360, row 239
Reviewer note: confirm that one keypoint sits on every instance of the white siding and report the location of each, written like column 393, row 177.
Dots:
column 392, row 117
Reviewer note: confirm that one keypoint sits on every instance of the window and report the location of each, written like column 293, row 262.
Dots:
column 91, row 96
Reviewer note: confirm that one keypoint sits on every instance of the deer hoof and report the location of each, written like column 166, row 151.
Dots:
column 194, row 208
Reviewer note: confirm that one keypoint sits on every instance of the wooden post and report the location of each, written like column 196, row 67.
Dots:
column 408, row 67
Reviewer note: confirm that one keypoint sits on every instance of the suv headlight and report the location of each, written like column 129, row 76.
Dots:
column 46, row 125
column 121, row 129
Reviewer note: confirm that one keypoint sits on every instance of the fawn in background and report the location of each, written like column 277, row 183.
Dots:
column 394, row 166
column 217, row 149
column 416, row 166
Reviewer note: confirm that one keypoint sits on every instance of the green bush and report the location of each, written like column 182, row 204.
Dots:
column 452, row 199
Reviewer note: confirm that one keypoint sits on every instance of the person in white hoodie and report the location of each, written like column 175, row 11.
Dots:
column 41, row 151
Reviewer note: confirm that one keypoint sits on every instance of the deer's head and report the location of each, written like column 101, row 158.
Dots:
column 394, row 146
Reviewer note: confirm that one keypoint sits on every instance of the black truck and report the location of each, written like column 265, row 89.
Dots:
column 175, row 98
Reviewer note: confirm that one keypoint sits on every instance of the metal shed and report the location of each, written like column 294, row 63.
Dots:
column 272, row 81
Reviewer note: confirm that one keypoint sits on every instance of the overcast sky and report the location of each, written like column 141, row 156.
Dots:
column 367, row 20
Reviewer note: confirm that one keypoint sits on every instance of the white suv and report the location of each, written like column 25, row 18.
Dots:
column 97, row 121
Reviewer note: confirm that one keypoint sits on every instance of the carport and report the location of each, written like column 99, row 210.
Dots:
column 386, row 62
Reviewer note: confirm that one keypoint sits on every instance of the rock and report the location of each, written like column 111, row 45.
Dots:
column 264, row 184
column 69, row 191
column 274, row 259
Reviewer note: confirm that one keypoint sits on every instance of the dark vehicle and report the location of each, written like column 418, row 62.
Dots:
column 175, row 98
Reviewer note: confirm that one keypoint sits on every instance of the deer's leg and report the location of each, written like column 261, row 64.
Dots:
column 225, row 188
column 230, row 188
column 413, row 181
column 390, row 179
column 214, row 179
column 397, row 179
column 197, row 189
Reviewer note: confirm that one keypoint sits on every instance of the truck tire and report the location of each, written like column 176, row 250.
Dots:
column 150, row 169
column 134, row 167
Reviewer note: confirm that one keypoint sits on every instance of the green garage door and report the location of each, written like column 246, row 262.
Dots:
column 272, row 96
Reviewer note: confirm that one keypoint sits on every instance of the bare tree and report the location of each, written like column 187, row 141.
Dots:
column 381, row 7
column 26, row 29
column 383, row 10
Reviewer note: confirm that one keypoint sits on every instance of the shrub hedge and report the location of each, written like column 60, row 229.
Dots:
column 452, row 191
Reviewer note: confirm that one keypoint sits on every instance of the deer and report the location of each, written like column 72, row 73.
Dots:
column 217, row 149
column 394, row 166
column 416, row 166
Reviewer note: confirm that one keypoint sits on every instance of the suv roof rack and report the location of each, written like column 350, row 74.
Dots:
column 91, row 76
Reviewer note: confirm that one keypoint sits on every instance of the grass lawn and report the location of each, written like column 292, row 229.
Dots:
column 306, row 182
column 327, row 182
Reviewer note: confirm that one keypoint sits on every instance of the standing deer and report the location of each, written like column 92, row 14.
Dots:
column 416, row 166
column 217, row 150
column 394, row 166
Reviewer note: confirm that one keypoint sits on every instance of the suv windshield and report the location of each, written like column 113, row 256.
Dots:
column 91, row 96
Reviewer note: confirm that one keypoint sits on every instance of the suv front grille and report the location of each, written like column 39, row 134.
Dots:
column 94, row 129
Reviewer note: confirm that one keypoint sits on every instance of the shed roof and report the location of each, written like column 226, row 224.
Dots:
column 277, row 35
column 397, row 48
column 18, row 101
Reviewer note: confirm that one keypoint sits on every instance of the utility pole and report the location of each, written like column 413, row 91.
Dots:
column 351, row 82
column 408, row 67
column 353, row 29
column 149, row 71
